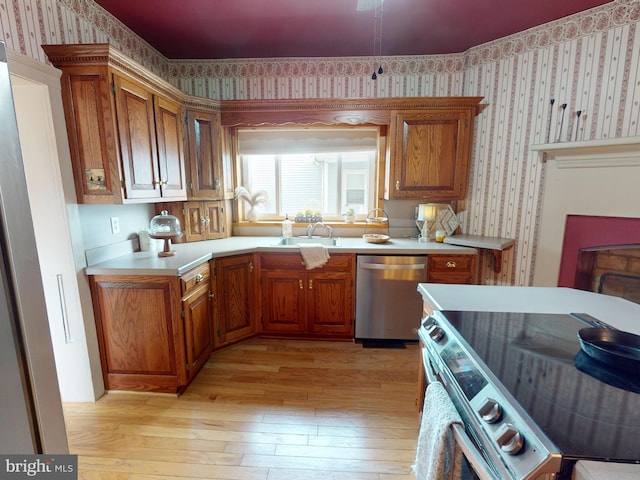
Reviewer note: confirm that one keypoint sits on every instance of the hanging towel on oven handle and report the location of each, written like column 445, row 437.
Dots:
column 438, row 456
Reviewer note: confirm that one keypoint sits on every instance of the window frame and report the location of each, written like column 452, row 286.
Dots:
column 372, row 174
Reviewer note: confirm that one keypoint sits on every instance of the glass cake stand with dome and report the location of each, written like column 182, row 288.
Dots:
column 165, row 227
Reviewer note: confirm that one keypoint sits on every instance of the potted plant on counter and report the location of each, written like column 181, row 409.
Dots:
column 349, row 215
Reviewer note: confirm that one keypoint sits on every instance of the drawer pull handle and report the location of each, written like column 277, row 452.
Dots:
column 199, row 278
column 451, row 264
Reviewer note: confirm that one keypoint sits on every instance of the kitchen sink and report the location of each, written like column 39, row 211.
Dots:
column 327, row 241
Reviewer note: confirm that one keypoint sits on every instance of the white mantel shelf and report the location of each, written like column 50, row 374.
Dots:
column 611, row 152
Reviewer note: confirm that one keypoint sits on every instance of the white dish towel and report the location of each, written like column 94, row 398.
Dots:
column 314, row 254
column 438, row 457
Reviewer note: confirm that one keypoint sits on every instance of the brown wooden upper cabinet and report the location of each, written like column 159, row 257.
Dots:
column 430, row 152
column 205, row 155
column 204, row 221
column 124, row 126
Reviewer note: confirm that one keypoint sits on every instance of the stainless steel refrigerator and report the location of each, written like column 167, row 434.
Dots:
column 30, row 407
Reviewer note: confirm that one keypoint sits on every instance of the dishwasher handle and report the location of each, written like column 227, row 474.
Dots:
column 384, row 266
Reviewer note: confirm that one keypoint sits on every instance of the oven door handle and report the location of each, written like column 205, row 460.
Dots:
column 479, row 464
column 428, row 368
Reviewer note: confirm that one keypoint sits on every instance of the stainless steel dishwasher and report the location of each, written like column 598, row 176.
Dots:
column 388, row 305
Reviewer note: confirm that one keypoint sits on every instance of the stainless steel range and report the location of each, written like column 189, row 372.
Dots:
column 531, row 401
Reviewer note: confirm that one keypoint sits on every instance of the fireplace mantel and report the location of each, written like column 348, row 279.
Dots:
column 612, row 152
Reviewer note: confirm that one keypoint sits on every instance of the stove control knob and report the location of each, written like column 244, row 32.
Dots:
column 436, row 333
column 491, row 411
column 428, row 322
column 509, row 439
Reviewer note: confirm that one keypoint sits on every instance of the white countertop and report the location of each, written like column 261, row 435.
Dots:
column 189, row 255
column 615, row 311
column 480, row 241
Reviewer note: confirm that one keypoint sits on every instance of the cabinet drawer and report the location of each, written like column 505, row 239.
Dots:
column 293, row 261
column 194, row 277
column 450, row 263
column 451, row 269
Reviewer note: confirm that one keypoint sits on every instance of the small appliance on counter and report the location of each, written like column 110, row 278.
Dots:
column 165, row 227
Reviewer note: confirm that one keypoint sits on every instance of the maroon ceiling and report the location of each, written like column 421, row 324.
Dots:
column 209, row 29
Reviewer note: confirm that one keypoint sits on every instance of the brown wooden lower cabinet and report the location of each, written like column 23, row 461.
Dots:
column 154, row 332
column 459, row 269
column 197, row 315
column 140, row 332
column 236, row 299
column 318, row 303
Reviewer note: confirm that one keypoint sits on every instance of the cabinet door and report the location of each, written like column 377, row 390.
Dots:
column 203, row 132
column 204, row 221
column 195, row 222
column 283, row 301
column 140, row 332
column 330, row 304
column 91, row 130
column 430, row 154
column 215, row 219
column 236, row 298
column 197, row 328
column 137, row 135
column 170, row 156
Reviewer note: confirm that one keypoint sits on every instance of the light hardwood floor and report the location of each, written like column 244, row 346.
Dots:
column 263, row 410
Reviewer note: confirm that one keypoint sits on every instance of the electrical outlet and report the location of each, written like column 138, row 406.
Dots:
column 115, row 225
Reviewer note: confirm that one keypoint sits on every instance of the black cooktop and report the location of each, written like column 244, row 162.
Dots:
column 588, row 409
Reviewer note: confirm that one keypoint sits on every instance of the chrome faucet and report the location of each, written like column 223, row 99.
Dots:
column 312, row 228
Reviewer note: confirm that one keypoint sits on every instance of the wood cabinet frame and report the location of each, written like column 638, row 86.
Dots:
column 317, row 303
column 124, row 126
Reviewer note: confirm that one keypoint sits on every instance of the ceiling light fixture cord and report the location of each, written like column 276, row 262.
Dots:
column 377, row 39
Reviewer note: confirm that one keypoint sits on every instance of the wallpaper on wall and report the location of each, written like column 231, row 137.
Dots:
column 589, row 61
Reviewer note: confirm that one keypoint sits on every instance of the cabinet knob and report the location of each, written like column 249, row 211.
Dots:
column 199, row 278
column 300, row 284
column 310, row 284
column 397, row 184
column 203, row 220
column 451, row 264
column 251, row 266
column 212, row 295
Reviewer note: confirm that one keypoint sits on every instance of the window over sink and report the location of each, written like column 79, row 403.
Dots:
column 310, row 170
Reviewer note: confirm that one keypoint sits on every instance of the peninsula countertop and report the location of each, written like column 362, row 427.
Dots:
column 615, row 311
column 189, row 255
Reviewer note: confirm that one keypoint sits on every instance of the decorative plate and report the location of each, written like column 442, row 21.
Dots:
column 447, row 219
